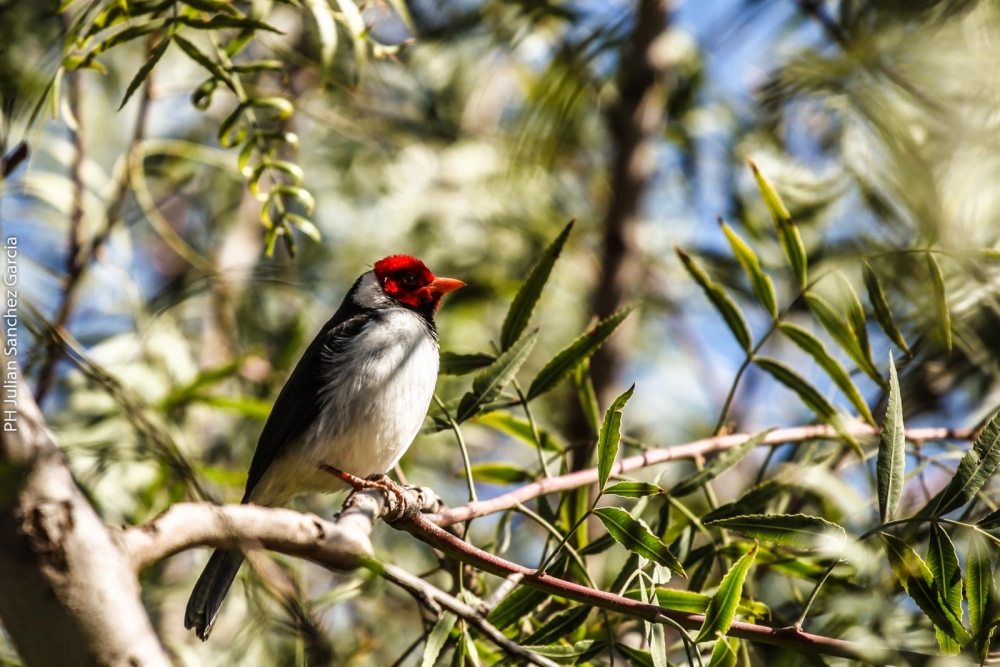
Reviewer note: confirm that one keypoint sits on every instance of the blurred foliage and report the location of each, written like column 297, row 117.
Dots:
column 468, row 134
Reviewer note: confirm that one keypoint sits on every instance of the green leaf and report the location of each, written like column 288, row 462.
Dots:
column 974, row 469
column 570, row 655
column 891, row 451
column 213, row 67
column 453, row 363
column 725, row 652
column 811, row 397
column 842, row 334
column 587, row 396
column 213, row 6
column 722, row 609
column 143, row 73
column 637, row 657
column 696, row 603
column 788, row 233
column 718, row 465
column 763, row 286
column 880, row 304
column 516, row 606
column 489, row 382
column 940, row 299
column 791, row 530
column 519, row 429
column 559, row 626
column 917, row 581
column 815, row 348
column 980, row 588
column 564, row 363
column 610, row 437
column 942, row 561
column 437, row 639
column 720, row 299
column 635, row 536
column 855, row 314
column 990, row 521
column 755, row 499
column 634, row 489
column 523, row 305
column 500, row 472
column 223, row 22
column 326, row 32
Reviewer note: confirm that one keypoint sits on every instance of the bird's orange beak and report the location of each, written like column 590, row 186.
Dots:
column 441, row 286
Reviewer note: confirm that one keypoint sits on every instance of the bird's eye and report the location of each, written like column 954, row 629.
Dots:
column 408, row 279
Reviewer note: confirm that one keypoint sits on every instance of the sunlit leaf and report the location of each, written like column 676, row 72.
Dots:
column 637, row 657
column 224, row 22
column 976, row 466
column 891, row 463
column 811, row 397
column 587, row 396
column 523, row 305
column 917, row 581
column 519, row 429
column 940, row 299
column 722, row 609
column 635, row 536
column 563, row 364
column 880, row 305
column 500, row 472
column 788, row 233
column 942, row 561
column 326, row 31
column 815, row 348
column 753, row 500
column 725, row 652
column 842, row 334
column 856, row 319
column 763, row 286
column 718, row 465
column 570, row 655
column 634, row 489
column 213, row 66
column 437, row 638
column 696, row 603
column 489, row 382
column 720, row 299
column 981, row 590
column 609, row 438
column 800, row 531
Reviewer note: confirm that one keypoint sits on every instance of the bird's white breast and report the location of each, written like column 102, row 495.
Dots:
column 376, row 396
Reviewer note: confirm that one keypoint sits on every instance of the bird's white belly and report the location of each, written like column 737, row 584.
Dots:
column 374, row 406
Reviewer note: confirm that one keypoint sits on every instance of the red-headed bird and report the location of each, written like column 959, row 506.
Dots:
column 355, row 401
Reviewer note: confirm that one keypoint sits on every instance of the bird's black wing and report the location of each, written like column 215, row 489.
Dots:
column 299, row 402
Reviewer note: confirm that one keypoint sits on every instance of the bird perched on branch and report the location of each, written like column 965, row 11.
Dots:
column 355, row 402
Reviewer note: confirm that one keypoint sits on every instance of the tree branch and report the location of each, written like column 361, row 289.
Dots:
column 690, row 450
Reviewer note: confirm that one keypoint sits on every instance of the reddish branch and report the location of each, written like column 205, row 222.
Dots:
column 691, row 450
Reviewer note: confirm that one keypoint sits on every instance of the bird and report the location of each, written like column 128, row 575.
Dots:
column 355, row 401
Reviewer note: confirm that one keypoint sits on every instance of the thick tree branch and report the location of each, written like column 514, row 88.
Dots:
column 690, row 450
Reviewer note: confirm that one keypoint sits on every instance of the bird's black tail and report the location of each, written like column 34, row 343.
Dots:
column 213, row 584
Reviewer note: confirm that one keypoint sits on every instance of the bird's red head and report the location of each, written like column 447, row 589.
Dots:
column 408, row 281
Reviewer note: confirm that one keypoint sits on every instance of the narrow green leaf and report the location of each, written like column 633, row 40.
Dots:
column 980, row 588
column 587, row 396
column 564, row 363
column 570, row 655
column 815, row 348
column 720, row 299
column 489, row 382
column 516, row 606
column 880, row 304
column 223, row 22
column 326, row 32
column 143, row 73
column 559, row 626
column 763, row 286
column 635, row 536
column 811, row 397
column 637, row 657
column 213, row 6
column 725, row 652
column 974, row 469
column 942, row 560
column 791, row 530
column 722, row 609
column 696, row 603
column 523, row 305
column 634, row 489
column 213, row 67
column 918, row 582
column 519, row 429
column 453, row 363
column 842, row 334
column 891, row 450
column 718, row 465
column 437, row 639
column 856, row 318
column 940, row 299
column 991, row 521
column 754, row 500
column 500, row 472
column 657, row 644
column 788, row 233
column 610, row 437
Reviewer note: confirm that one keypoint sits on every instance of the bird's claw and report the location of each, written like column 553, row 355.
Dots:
column 380, row 482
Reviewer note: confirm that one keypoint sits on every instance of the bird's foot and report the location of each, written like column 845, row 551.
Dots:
column 379, row 482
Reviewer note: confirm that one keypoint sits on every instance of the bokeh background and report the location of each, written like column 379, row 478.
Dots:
column 467, row 133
